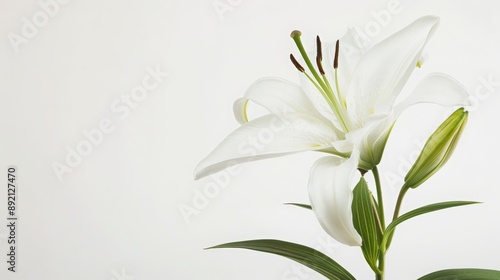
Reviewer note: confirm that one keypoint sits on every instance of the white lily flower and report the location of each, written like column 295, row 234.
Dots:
column 355, row 112
column 367, row 84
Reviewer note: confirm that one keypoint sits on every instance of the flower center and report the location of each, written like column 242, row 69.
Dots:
column 333, row 97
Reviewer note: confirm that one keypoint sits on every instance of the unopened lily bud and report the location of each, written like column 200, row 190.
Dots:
column 438, row 149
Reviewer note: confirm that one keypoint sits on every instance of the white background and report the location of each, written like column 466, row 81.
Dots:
column 116, row 215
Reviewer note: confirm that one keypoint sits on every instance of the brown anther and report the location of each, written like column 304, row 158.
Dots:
column 320, row 66
column 297, row 64
column 319, row 56
column 336, row 60
column 319, row 52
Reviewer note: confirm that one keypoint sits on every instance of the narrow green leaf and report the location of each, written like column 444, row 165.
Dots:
column 309, row 257
column 417, row 212
column 463, row 274
column 300, row 205
column 365, row 222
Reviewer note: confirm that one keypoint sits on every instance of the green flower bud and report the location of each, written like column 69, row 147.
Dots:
column 437, row 149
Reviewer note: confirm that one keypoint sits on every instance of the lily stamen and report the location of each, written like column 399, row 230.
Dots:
column 336, row 58
column 319, row 52
column 319, row 63
column 320, row 67
column 297, row 64
column 322, row 85
column 336, row 66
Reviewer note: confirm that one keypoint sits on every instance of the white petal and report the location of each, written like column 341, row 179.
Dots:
column 377, row 138
column 343, row 146
column 277, row 95
column 330, row 191
column 266, row 137
column 370, row 140
column 436, row 88
column 384, row 69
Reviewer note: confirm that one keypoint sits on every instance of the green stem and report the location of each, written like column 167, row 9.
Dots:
column 401, row 195
column 380, row 199
column 381, row 266
column 380, row 276
column 380, row 211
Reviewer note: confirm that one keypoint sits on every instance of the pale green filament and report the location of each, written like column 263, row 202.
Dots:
column 339, row 96
column 330, row 90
